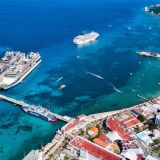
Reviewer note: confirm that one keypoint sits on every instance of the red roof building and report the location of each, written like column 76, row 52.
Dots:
column 119, row 127
column 93, row 150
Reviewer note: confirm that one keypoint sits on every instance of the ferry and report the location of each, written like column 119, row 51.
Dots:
column 86, row 38
column 15, row 66
column 149, row 54
column 40, row 112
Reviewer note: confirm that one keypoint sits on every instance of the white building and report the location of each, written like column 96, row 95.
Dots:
column 34, row 155
column 157, row 121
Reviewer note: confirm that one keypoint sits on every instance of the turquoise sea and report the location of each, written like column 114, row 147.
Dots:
column 49, row 26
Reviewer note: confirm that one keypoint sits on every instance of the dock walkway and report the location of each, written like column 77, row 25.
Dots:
column 21, row 103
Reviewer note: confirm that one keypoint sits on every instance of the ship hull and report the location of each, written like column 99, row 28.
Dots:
column 79, row 40
column 23, row 77
column 84, row 42
column 40, row 116
column 149, row 54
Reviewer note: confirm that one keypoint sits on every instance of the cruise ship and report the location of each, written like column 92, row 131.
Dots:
column 149, row 54
column 15, row 66
column 86, row 38
column 40, row 112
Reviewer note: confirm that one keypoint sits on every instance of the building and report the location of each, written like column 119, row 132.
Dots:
column 157, row 121
column 91, row 151
column 93, row 131
column 34, row 155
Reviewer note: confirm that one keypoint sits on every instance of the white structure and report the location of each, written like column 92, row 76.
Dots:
column 149, row 157
column 113, row 136
column 85, row 38
column 34, row 155
column 146, row 9
column 157, row 121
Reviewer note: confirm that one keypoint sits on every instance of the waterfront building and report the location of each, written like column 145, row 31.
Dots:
column 91, row 151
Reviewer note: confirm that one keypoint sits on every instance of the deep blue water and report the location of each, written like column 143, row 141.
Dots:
column 48, row 26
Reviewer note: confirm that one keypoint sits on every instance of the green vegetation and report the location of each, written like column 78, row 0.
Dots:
column 82, row 133
column 152, row 126
column 156, row 141
column 141, row 118
column 66, row 158
column 137, row 128
column 157, row 150
column 3, row 85
column 50, row 157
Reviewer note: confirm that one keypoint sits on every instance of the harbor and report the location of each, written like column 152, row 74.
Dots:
column 23, row 104
column 61, row 82
column 74, row 129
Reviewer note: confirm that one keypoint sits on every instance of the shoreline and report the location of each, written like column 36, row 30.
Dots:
column 50, row 148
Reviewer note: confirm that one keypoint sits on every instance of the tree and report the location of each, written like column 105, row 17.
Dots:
column 152, row 126
column 141, row 118
column 66, row 158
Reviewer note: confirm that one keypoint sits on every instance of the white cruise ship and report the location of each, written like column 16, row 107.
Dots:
column 15, row 66
column 85, row 38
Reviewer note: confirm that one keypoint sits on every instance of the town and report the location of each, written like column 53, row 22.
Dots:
column 131, row 133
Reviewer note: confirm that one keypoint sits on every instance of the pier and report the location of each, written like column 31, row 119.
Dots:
column 21, row 103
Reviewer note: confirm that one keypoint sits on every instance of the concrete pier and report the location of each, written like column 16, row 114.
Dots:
column 21, row 103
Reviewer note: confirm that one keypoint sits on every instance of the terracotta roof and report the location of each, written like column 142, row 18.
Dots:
column 103, row 137
column 100, row 142
column 71, row 124
column 132, row 123
column 93, row 149
column 128, row 119
column 118, row 127
column 94, row 129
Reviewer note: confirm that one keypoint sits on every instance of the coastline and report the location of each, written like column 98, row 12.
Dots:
column 54, row 147
column 30, row 90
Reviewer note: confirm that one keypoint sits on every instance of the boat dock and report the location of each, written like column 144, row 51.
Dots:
column 21, row 103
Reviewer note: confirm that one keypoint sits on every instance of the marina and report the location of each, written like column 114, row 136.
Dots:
column 71, row 129
column 49, row 28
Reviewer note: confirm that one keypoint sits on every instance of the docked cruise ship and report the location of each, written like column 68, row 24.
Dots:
column 15, row 66
column 149, row 54
column 85, row 38
column 40, row 112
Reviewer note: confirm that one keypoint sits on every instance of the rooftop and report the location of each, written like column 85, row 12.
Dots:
column 119, row 127
column 93, row 149
column 33, row 155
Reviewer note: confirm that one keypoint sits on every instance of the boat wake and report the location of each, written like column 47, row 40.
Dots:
column 142, row 97
column 59, row 79
column 117, row 90
column 95, row 75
